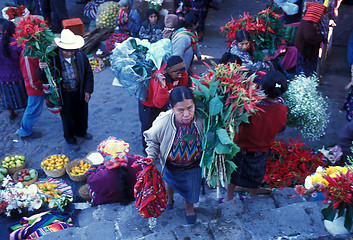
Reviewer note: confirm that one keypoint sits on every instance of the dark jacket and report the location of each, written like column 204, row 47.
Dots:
column 84, row 68
column 308, row 39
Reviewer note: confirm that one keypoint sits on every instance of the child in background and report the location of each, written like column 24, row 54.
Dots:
column 256, row 138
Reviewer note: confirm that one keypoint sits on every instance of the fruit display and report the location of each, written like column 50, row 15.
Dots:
column 26, row 175
column 13, row 161
column 107, row 13
column 55, row 162
column 80, row 169
column 49, row 189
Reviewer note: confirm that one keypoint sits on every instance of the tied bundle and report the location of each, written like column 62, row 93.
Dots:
column 225, row 97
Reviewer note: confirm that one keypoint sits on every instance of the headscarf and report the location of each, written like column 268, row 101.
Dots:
column 314, row 11
column 171, row 23
column 114, row 152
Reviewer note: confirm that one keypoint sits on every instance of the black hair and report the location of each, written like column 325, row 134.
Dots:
column 228, row 57
column 152, row 11
column 274, row 84
column 8, row 29
column 191, row 19
column 173, row 60
column 180, row 94
column 125, row 190
column 242, row 35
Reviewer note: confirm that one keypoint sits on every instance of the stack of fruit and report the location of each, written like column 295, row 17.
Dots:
column 107, row 13
column 55, row 162
column 26, row 175
column 13, row 163
column 80, row 169
column 49, row 189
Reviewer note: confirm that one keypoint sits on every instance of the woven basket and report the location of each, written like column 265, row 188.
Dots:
column 54, row 173
column 83, row 191
column 14, row 169
column 15, row 178
column 76, row 162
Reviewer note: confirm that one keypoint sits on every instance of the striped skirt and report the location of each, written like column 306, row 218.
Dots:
column 13, row 95
column 186, row 182
column 251, row 168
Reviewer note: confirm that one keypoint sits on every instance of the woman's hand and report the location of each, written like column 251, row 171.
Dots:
column 161, row 79
column 42, row 65
column 87, row 97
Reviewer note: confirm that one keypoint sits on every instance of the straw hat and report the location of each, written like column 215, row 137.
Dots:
column 68, row 40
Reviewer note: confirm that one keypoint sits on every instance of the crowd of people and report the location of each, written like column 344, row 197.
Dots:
column 168, row 114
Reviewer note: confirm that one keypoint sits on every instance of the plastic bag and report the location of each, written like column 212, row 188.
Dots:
column 290, row 8
column 107, row 13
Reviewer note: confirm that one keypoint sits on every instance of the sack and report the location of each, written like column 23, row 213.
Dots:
column 91, row 9
column 52, row 99
column 149, row 191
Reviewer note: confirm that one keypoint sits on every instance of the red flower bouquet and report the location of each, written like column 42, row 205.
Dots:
column 36, row 39
column 290, row 163
column 225, row 96
column 336, row 185
column 266, row 29
column 11, row 12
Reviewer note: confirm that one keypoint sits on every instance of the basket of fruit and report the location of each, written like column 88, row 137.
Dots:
column 54, row 165
column 13, row 163
column 26, row 176
column 76, row 169
column 84, row 193
column 49, row 189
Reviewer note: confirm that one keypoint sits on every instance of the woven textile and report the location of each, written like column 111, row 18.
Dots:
column 185, row 152
column 314, row 12
column 149, row 190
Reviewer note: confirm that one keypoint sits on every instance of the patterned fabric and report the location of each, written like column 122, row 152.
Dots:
column 193, row 36
column 13, row 95
column 91, row 8
column 114, row 152
column 39, row 225
column 186, row 150
column 246, row 59
column 69, row 74
column 123, row 27
column 149, row 191
column 251, row 168
column 115, row 38
column 314, row 11
column 63, row 187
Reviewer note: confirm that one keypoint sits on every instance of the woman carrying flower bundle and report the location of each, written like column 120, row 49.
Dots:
column 12, row 87
column 241, row 49
column 175, row 137
column 114, row 181
column 185, row 41
column 152, row 28
column 256, row 138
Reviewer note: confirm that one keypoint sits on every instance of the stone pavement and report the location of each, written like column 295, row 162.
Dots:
column 112, row 112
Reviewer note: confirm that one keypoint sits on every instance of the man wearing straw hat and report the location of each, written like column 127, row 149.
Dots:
column 76, row 86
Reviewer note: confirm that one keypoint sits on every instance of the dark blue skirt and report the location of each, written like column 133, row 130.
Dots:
column 13, row 95
column 251, row 169
column 186, row 182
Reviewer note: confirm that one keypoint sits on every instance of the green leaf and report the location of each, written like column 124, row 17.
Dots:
column 37, row 45
column 211, row 139
column 214, row 87
column 188, row 137
column 230, row 168
column 223, row 136
column 204, row 89
column 234, row 150
column 222, row 149
column 329, row 213
column 215, row 106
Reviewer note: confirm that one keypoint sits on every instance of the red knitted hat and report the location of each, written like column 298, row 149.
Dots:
column 314, row 11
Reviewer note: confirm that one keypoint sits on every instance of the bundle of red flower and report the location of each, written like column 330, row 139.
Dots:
column 266, row 29
column 290, row 163
column 13, row 12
